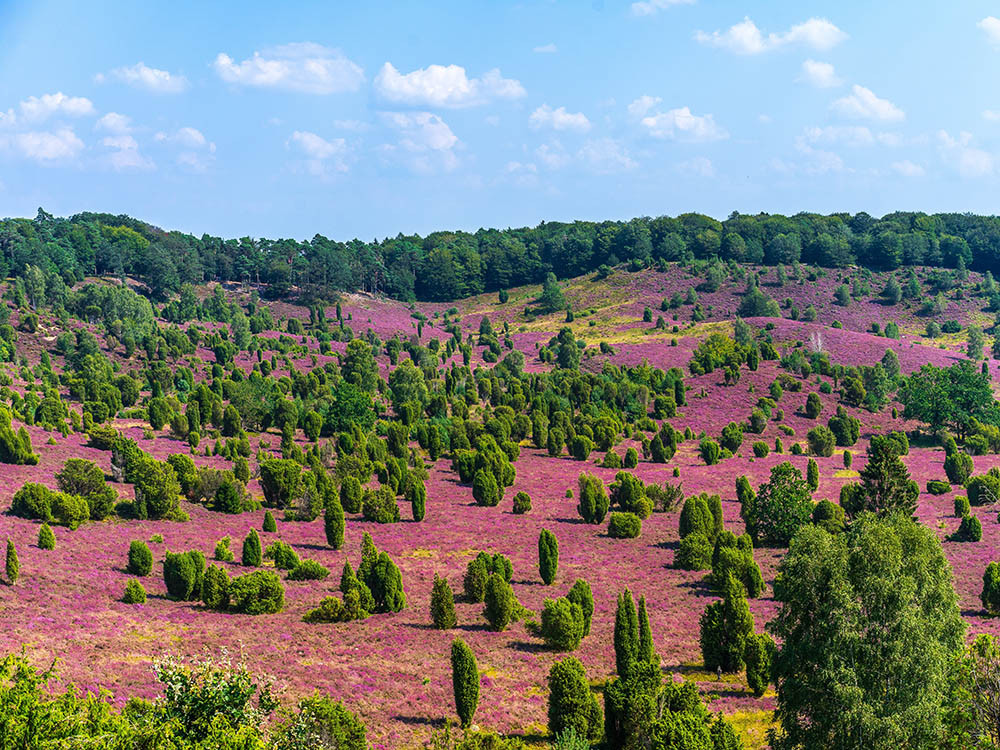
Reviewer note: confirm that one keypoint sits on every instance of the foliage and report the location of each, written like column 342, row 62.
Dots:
column 442, row 604
column 782, row 505
column 465, row 681
column 140, row 558
column 572, row 706
column 548, row 556
column 624, row 526
column 725, row 629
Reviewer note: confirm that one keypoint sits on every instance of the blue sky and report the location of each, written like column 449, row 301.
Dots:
column 371, row 118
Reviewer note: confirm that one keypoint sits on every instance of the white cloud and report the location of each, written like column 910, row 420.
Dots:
column 991, row 25
column 744, row 38
column 819, row 161
column 552, row 155
column 46, row 147
column 819, row 74
column 991, row 115
column 187, row 137
column 699, row 166
column 425, row 141
column 642, row 105
column 961, row 155
column 323, row 156
column 907, row 168
column 303, row 66
column 444, row 86
column 113, row 122
column 125, row 153
column 142, row 76
column 606, row 156
column 680, row 124
column 355, row 126
column 862, row 104
column 651, row 7
column 558, row 119
column 545, row 49
column 38, row 108
column 522, row 175
column 851, row 135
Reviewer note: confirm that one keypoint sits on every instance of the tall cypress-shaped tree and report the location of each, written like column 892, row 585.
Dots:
column 13, row 565
column 725, row 629
column 333, row 523
column 571, row 703
column 442, row 604
column 269, row 525
column 548, row 556
column 46, row 539
column 647, row 651
column 626, row 634
column 464, row 680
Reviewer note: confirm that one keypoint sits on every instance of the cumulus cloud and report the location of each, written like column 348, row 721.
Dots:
column 141, row 76
column 642, row 105
column 322, row 157
column 45, row 147
column 991, row 25
column 187, row 137
column 116, row 123
column 991, row 115
column 744, row 38
column 651, row 7
column 862, row 104
column 907, row 168
column 38, row 108
column 851, row 135
column 552, row 155
column 819, row 74
column 606, row 156
column 963, row 157
column 545, row 49
column 682, row 125
column 426, row 143
column 558, row 119
column 304, row 67
column 125, row 154
column 444, row 86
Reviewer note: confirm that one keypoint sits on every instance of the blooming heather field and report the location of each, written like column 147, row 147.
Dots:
column 393, row 669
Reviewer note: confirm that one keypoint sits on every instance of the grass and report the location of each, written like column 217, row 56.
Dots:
column 752, row 727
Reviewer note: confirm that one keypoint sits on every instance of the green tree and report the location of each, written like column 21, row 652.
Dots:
column 548, row 556
column 837, row 594
column 442, row 604
column 46, row 539
column 13, row 566
column 726, row 627
column 647, row 651
column 252, row 554
column 572, row 705
column 593, row 500
column 464, row 681
column 551, row 298
column 333, row 523
column 500, row 606
column 782, row 506
column 358, row 366
column 626, row 637
column 140, row 558
column 885, row 480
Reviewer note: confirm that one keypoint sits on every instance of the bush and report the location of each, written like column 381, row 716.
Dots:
column 593, row 505
column 696, row 518
column 828, row 516
column 416, row 494
column 486, row 491
column 958, row 467
column 442, row 604
column 80, row 477
column 813, row 406
column 13, row 566
column 581, row 594
column 961, row 506
column 725, row 628
column 761, row 449
column 969, row 530
column 548, row 556
column 330, row 609
column 333, row 523
column 758, row 655
column 308, row 570
column 222, row 552
column 257, row 593
column 983, row 489
column 821, row 441
column 280, row 480
column 812, row 475
column 215, row 588
column 500, row 607
column 46, row 539
column 624, row 526
column 140, row 559
column 990, row 596
column 134, row 593
column 69, row 510
column 321, row 717
column 33, row 501
column 573, row 709
column 464, row 680
column 938, row 487
column 709, row 451
column 694, row 552
column 351, row 494
column 252, row 554
column 284, row 557
column 269, row 525
column 380, row 505
column 562, row 624
column 183, row 574
column 522, row 503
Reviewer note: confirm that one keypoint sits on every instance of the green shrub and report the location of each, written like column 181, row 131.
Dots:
column 990, row 596
column 222, row 551
column 13, row 565
column 522, row 503
column 500, row 607
column 134, row 592
column 308, row 570
column 256, row 593
column 215, row 588
column 961, row 506
column 761, row 449
column 593, row 499
column 465, row 681
column 33, row 501
column 694, row 552
column 938, row 487
column 183, row 574
column 252, row 553
column 969, row 530
column 548, row 556
column 581, row 594
column 380, row 505
column 624, row 526
column 573, row 710
column 709, row 451
column 269, row 525
column 958, row 467
column 333, row 523
column 821, row 441
column 46, row 539
column 284, row 557
column 562, row 624
column 351, row 494
column 140, row 559
column 442, row 604
column 983, row 489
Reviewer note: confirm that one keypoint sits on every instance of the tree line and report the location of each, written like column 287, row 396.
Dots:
column 450, row 265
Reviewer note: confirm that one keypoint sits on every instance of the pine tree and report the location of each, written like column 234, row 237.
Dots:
column 252, row 553
column 725, row 628
column 13, row 566
column 416, row 493
column 548, row 556
column 442, row 604
column 464, row 680
column 812, row 474
column 269, row 524
column 572, row 705
column 46, row 539
column 647, row 651
column 333, row 523
column 626, row 634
